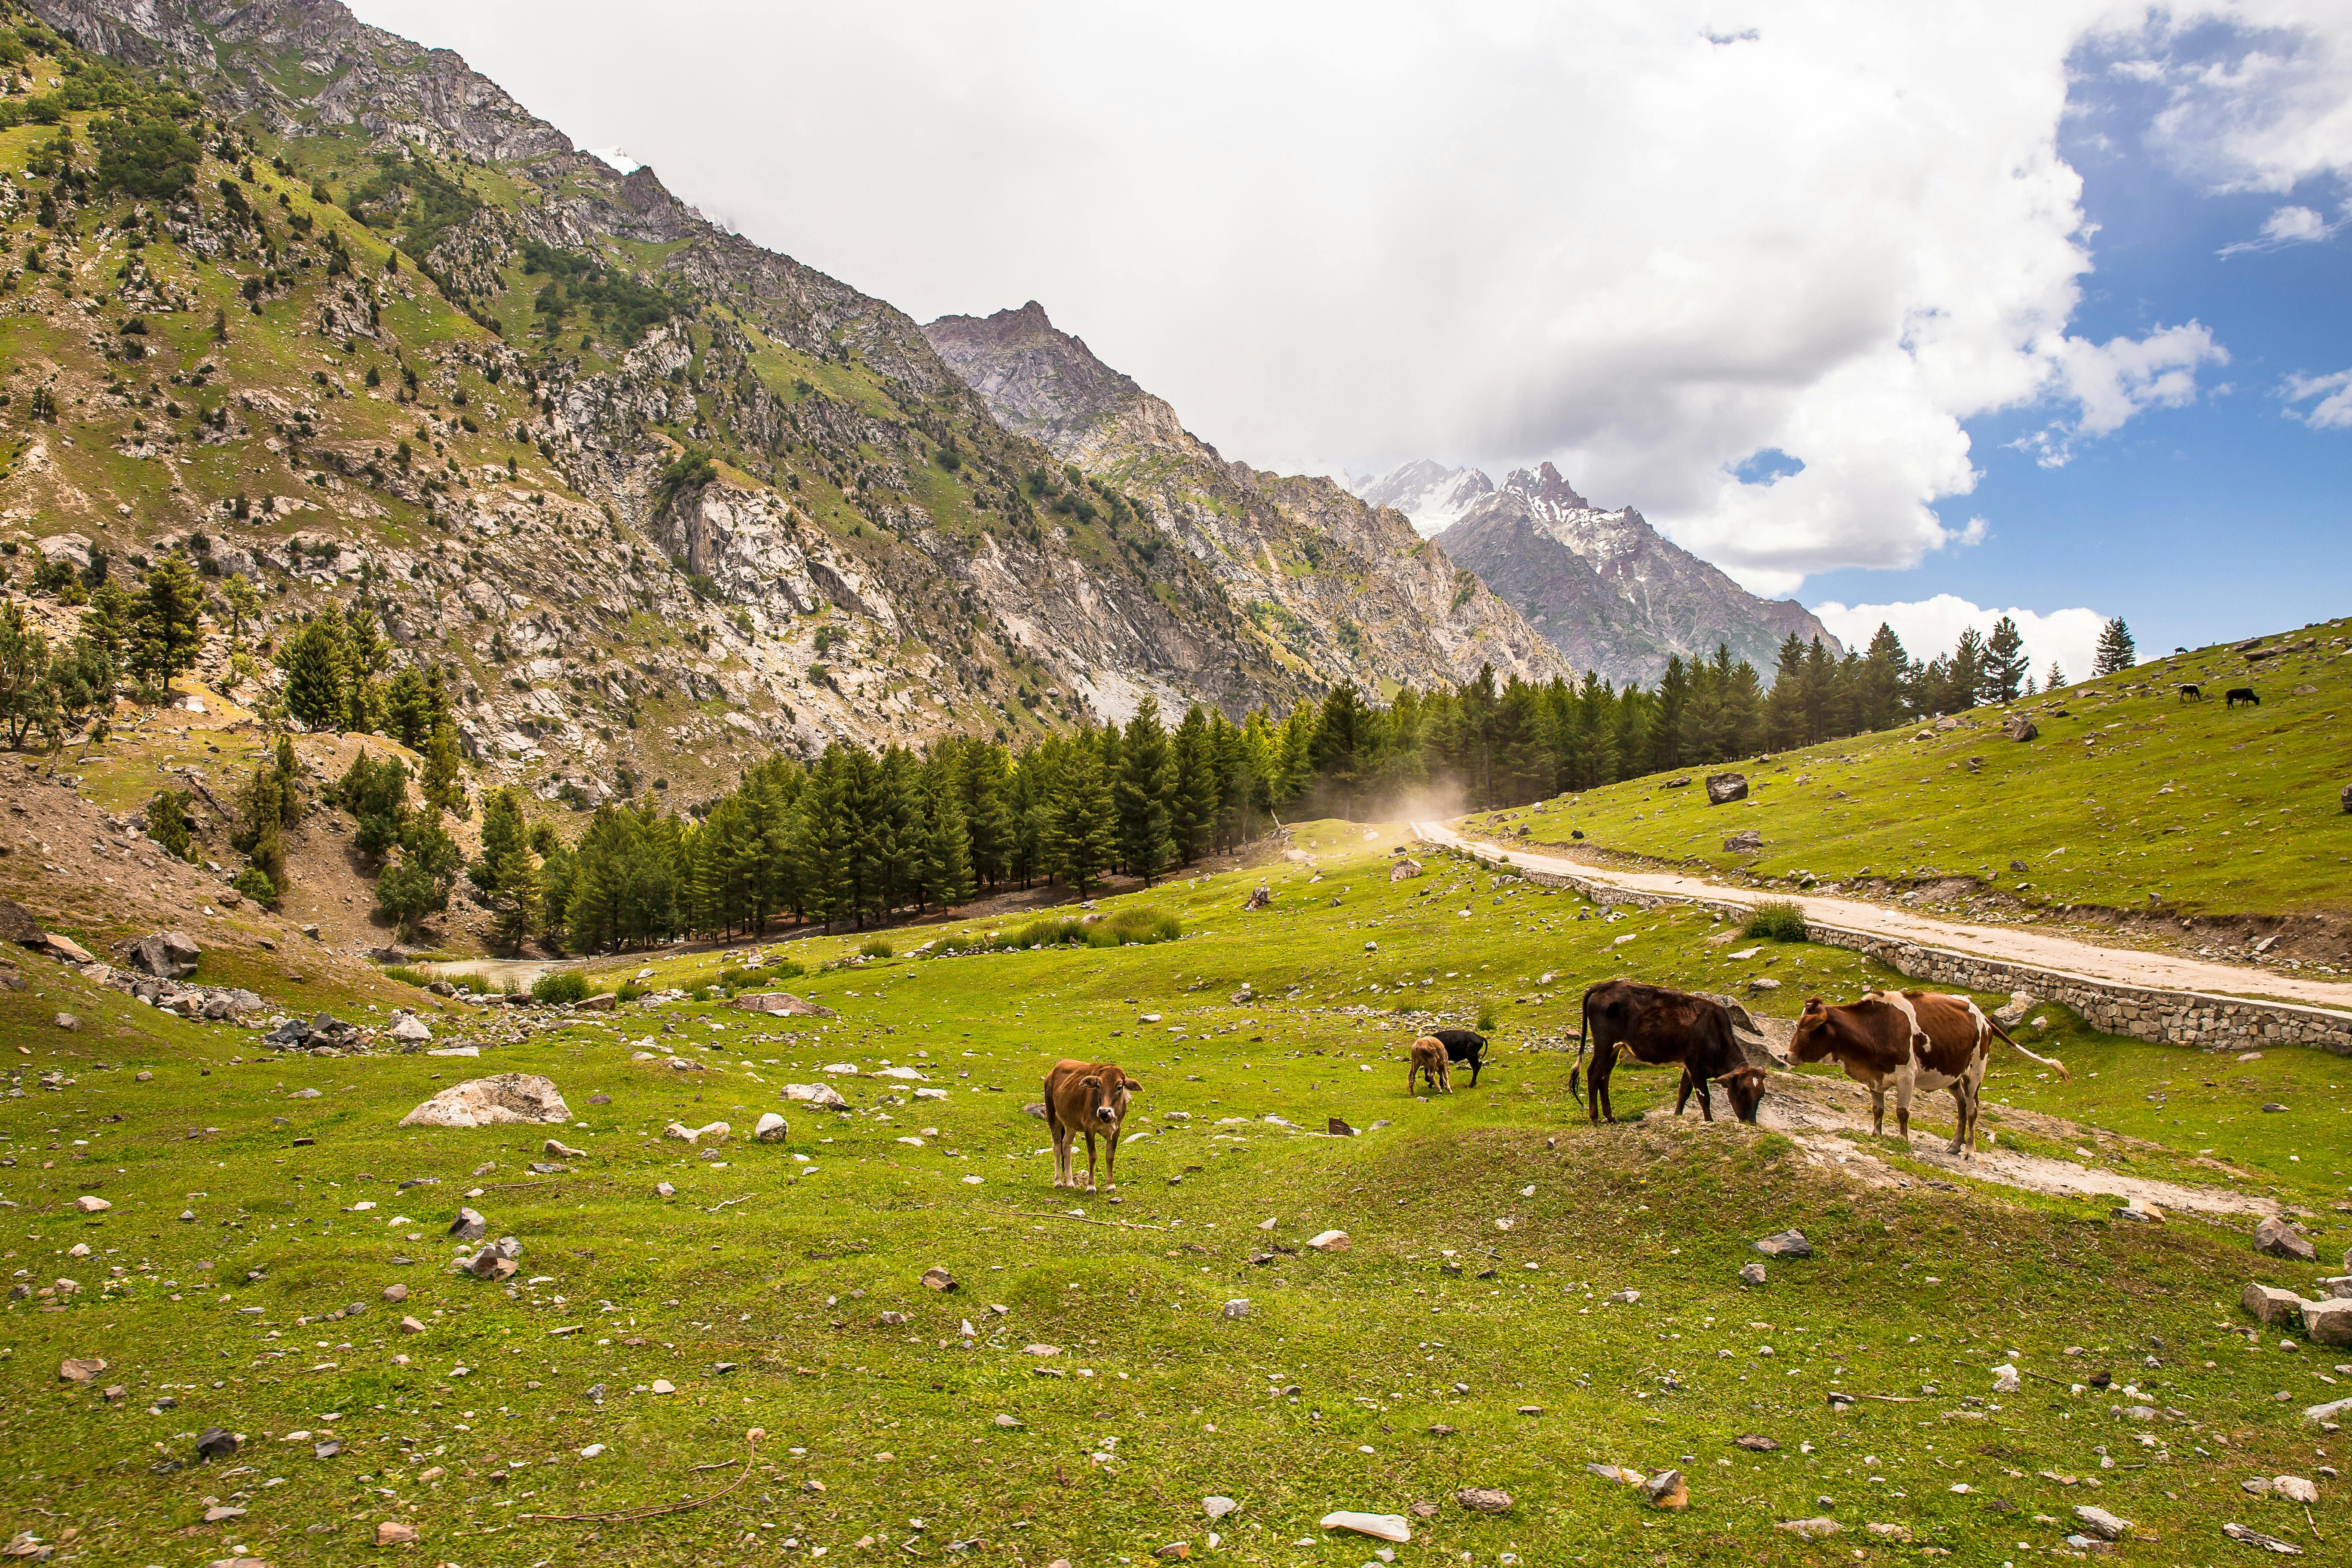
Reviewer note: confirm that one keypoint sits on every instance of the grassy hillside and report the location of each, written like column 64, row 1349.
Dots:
column 1374, row 1378
column 2128, row 793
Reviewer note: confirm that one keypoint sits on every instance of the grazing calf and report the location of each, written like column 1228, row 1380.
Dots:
column 1462, row 1046
column 2192, row 694
column 1089, row 1097
column 1428, row 1060
column 1656, row 1025
column 2237, row 694
column 1911, row 1041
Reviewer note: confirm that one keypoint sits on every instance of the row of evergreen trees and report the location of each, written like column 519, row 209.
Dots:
column 861, row 835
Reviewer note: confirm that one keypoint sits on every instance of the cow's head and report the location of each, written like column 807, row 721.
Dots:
column 1746, row 1088
column 1810, row 1042
column 1107, row 1092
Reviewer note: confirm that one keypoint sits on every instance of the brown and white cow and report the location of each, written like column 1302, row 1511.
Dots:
column 1089, row 1097
column 1656, row 1025
column 1913, row 1042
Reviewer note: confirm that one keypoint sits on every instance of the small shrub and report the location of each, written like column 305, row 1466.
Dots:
column 254, row 884
column 630, row 991
column 406, row 974
column 873, row 947
column 1487, row 1022
column 1779, row 920
column 562, row 986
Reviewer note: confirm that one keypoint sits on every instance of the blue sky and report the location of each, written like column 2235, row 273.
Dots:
column 2223, row 519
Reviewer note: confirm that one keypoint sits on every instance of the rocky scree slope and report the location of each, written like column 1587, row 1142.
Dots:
column 662, row 500
column 1609, row 591
column 1344, row 591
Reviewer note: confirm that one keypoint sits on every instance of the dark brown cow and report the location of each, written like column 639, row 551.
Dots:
column 1657, row 1025
column 1089, row 1097
column 1913, row 1041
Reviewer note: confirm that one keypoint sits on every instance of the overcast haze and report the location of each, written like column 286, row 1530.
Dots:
column 1773, row 274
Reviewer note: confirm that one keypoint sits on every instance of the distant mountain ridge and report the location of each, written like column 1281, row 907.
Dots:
column 1339, row 589
column 1604, row 588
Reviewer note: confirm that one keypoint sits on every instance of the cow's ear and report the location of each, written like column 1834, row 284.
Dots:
column 1133, row 1087
column 1813, row 1005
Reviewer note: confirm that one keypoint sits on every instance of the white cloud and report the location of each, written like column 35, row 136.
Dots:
column 1645, row 242
column 1933, row 627
column 2334, row 409
column 2284, row 227
column 2258, row 93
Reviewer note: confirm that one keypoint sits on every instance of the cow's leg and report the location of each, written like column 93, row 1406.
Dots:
column 1110, row 1161
column 1964, row 1118
column 1090, row 1162
column 1903, row 1106
column 1604, row 1066
column 1061, row 1155
column 1878, row 1110
column 1683, row 1090
column 1474, row 1065
column 1446, row 1076
column 1706, row 1099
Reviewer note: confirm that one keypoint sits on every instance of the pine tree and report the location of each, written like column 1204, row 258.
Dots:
column 515, row 906
column 2116, row 650
column 2005, row 662
column 1084, row 823
column 165, row 634
column 1195, row 802
column 2055, row 678
column 1146, row 780
column 947, row 852
column 316, row 674
column 444, row 782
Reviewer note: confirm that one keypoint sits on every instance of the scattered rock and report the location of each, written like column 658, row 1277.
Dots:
column 468, row 1225
column 166, row 954
column 1724, row 788
column 1624, row 1477
column 2328, row 1322
column 63, row 948
column 782, row 1002
column 1745, row 840
column 2139, row 1211
column 771, row 1127
column 1175, row 1551
column 67, row 1022
column 1756, row 1445
column 411, row 1326
column 86, row 1204
column 1403, row 871
column 2005, row 1380
column 1483, row 1499
column 2295, row 1489
column 1329, row 1241
column 562, row 1151
column 2280, row 1239
column 1763, row 983
column 938, row 1278
column 1218, row 1507
column 2012, row 1013
column 1815, row 1529
column 1238, row 1307
column 1259, row 897
column 395, row 1293
column 216, row 1443
column 2269, row 1304
column 716, row 1132
column 1890, row 1532
column 79, row 1368
column 2256, row 1538
column 1751, row 1274
column 2021, row 728
column 488, row 1101
column 1787, row 1243
column 2102, row 1523
column 393, row 1532
column 823, row 1096
column 409, row 1029
column 1339, row 1128
column 664, row 1189
column 1379, row 1526
column 1624, row 1298
column 1666, row 1490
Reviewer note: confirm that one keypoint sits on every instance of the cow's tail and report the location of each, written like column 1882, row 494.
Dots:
column 2051, row 1062
column 1583, row 1027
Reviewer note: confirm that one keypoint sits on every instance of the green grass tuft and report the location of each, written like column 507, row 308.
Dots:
column 1779, row 920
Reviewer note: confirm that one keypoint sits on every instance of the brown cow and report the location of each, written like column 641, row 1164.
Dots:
column 1429, row 1060
column 1657, row 1025
column 1914, row 1041
column 1089, row 1097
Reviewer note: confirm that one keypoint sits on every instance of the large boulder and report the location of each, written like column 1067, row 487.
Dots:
column 781, row 1001
column 2328, row 1322
column 2021, row 728
column 1724, row 788
column 823, row 1096
column 1403, row 871
column 407, row 1025
column 17, row 925
column 2280, row 1239
column 2269, row 1304
column 166, row 954
column 488, row 1101
column 64, row 948
column 1746, row 839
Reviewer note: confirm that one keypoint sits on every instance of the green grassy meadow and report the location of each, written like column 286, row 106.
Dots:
column 2214, row 810
column 1464, row 1339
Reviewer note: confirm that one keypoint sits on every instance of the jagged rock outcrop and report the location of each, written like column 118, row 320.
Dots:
column 1345, row 590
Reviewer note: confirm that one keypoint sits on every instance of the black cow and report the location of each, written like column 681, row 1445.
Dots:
column 1462, row 1046
column 2237, row 694
column 2192, row 694
column 1657, row 1025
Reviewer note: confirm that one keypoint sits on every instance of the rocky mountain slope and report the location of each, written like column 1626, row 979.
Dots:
column 1343, row 590
column 657, row 500
column 1611, row 592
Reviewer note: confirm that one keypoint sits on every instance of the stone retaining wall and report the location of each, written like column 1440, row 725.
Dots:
column 2147, row 1013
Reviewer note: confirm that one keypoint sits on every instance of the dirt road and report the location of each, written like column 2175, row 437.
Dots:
column 2114, row 965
